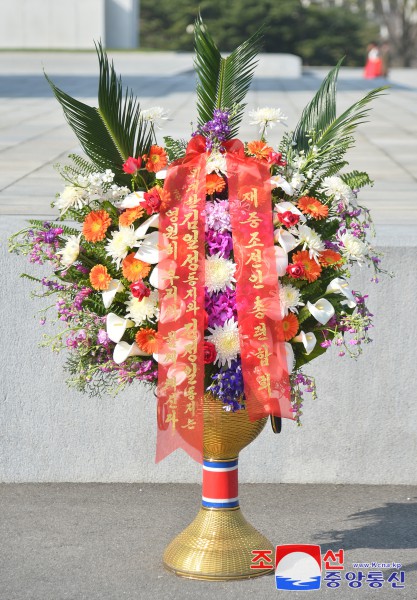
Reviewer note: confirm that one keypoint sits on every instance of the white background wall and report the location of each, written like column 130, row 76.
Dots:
column 71, row 24
column 362, row 429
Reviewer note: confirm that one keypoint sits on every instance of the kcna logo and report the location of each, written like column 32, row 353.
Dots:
column 298, row 567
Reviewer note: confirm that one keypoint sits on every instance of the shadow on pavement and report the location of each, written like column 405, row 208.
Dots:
column 392, row 526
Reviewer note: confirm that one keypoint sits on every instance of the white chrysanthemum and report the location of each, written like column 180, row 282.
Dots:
column 145, row 309
column 219, row 273
column 336, row 187
column 311, row 240
column 216, row 163
column 226, row 341
column 266, row 116
column 70, row 251
column 120, row 243
column 353, row 248
column 289, row 298
column 155, row 115
column 71, row 197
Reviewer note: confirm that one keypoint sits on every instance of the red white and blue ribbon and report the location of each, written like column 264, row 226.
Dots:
column 220, row 484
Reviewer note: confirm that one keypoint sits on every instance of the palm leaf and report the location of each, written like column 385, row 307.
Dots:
column 320, row 112
column 115, row 130
column 223, row 82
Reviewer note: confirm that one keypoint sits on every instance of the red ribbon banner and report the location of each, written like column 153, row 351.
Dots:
column 181, row 288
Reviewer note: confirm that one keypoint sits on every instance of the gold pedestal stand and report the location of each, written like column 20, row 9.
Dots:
column 218, row 544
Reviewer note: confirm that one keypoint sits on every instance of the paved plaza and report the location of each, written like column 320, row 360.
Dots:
column 105, row 541
column 34, row 135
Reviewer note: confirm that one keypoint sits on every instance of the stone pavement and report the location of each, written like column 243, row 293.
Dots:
column 105, row 541
column 34, row 135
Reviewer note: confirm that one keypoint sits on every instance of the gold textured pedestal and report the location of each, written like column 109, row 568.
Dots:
column 218, row 544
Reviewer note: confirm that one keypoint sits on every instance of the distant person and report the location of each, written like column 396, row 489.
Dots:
column 385, row 53
column 373, row 66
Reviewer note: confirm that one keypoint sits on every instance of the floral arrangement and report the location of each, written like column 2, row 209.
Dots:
column 104, row 251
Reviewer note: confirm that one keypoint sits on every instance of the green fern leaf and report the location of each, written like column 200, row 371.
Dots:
column 357, row 179
column 175, row 148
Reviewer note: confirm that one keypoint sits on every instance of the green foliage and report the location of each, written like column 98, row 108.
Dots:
column 79, row 166
column 319, row 113
column 331, row 135
column 112, row 132
column 223, row 82
column 175, row 148
column 357, row 179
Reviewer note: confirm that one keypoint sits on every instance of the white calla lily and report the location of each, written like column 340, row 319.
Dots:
column 341, row 286
column 153, row 221
column 133, row 200
column 287, row 240
column 322, row 310
column 161, row 174
column 148, row 243
column 108, row 295
column 281, row 258
column 308, row 340
column 289, row 352
column 123, row 351
column 162, row 274
column 116, row 326
column 279, row 181
column 149, row 248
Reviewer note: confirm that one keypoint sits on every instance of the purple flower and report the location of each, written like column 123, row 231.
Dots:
column 220, row 307
column 227, row 386
column 102, row 337
column 215, row 131
column 219, row 242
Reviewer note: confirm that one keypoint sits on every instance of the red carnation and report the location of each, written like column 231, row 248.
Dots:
column 153, row 200
column 209, row 353
column 132, row 165
column 139, row 290
column 288, row 218
column 297, row 270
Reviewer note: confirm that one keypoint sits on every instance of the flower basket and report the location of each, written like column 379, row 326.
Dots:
column 209, row 268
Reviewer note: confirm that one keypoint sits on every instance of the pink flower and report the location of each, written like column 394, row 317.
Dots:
column 132, row 165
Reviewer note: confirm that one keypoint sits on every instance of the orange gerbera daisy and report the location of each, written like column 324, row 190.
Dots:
column 312, row 269
column 311, row 206
column 214, row 183
column 289, row 326
column 330, row 258
column 156, row 159
column 130, row 215
column 134, row 269
column 147, row 340
column 95, row 225
column 259, row 149
column 99, row 277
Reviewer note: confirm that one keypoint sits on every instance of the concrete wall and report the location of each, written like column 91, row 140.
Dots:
column 74, row 24
column 362, row 429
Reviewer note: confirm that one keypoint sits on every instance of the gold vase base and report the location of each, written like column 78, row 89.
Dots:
column 217, row 546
